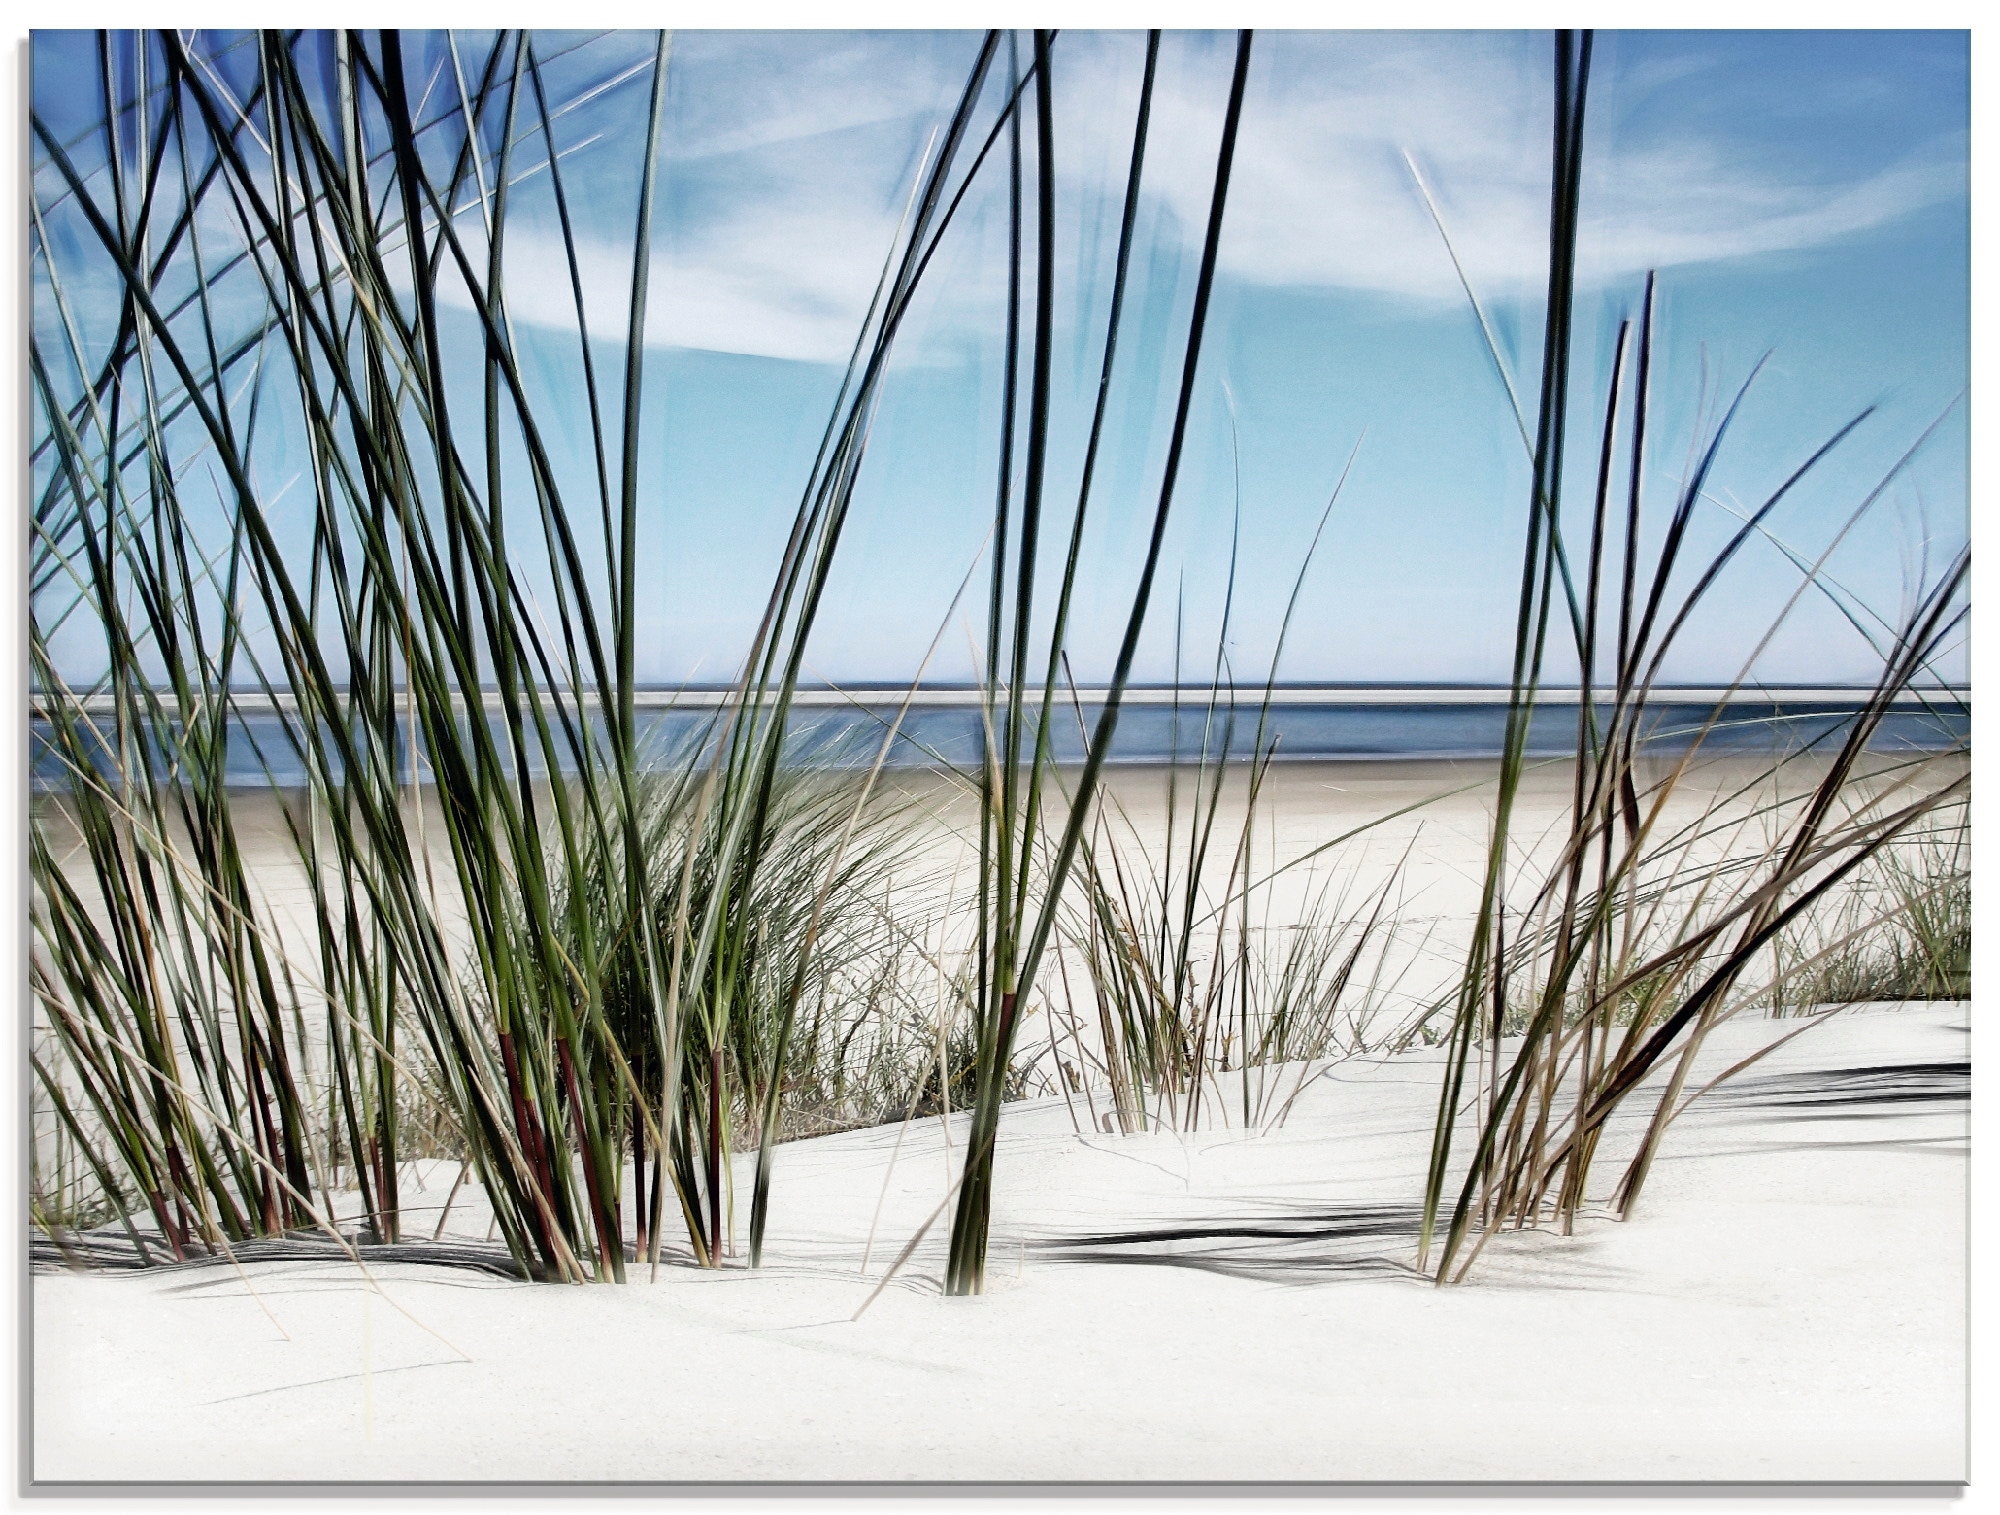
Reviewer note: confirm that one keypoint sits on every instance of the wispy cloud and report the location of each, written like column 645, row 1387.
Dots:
column 1324, row 196
column 790, row 155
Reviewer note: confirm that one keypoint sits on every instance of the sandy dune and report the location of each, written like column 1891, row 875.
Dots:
column 1787, row 1304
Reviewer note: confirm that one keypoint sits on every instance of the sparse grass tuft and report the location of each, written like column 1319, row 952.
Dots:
column 1614, row 959
column 1904, row 932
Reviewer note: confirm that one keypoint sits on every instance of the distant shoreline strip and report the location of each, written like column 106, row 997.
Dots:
column 1384, row 696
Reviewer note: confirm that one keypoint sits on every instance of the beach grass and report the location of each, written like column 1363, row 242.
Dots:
column 1618, row 960
column 451, row 622
column 297, row 498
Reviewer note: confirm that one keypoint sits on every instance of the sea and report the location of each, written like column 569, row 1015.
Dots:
column 948, row 728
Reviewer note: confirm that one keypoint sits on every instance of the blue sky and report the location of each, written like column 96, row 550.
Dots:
column 1800, row 193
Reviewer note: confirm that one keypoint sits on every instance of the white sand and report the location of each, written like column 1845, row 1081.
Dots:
column 1787, row 1304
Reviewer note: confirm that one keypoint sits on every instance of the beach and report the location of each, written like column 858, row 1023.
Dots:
column 1235, row 1301
column 1788, row 1303
column 939, row 757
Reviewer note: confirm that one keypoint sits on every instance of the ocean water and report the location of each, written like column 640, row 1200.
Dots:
column 262, row 747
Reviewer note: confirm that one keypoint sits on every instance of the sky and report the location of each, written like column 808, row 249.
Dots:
column 1801, row 195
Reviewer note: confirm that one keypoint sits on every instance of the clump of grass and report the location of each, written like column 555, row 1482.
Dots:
column 441, row 634
column 1156, row 932
column 1190, row 978
column 1904, row 932
column 1619, row 958
column 1178, row 947
column 816, row 929
column 891, row 1034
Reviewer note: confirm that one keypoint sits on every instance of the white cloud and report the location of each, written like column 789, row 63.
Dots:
column 740, row 288
column 1325, row 198
column 790, row 155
